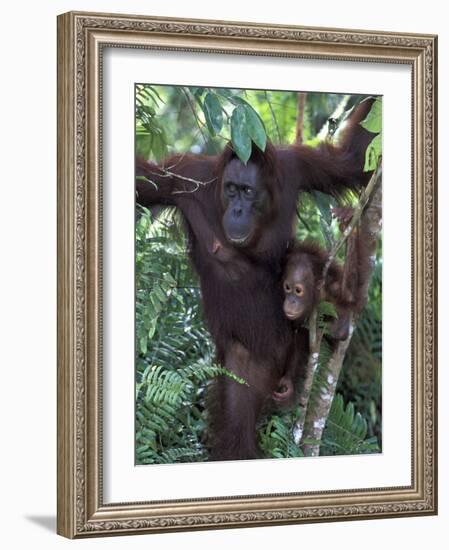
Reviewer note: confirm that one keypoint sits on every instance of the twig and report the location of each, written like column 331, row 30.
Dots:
column 167, row 174
column 201, row 124
column 358, row 210
column 195, row 115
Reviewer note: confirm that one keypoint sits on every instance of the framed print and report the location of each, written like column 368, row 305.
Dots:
column 246, row 274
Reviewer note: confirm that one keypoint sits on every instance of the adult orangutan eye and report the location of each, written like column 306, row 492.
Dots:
column 248, row 192
column 231, row 188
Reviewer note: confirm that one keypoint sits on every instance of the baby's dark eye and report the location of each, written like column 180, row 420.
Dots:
column 287, row 287
column 299, row 290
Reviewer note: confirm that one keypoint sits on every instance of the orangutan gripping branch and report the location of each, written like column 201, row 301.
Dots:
column 239, row 221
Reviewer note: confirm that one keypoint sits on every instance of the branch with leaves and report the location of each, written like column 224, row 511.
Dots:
column 217, row 113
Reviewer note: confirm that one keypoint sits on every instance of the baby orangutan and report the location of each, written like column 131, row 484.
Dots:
column 303, row 281
column 304, row 288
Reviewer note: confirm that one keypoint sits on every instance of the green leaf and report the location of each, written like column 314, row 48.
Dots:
column 152, row 90
column 346, row 431
column 237, row 100
column 240, row 137
column 224, row 92
column 158, row 146
column 328, row 309
column 143, row 345
column 151, row 330
column 324, row 203
column 373, row 152
column 197, row 92
column 373, row 120
column 213, row 113
column 255, row 127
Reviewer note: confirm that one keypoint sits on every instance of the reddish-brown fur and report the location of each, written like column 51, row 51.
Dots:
column 312, row 259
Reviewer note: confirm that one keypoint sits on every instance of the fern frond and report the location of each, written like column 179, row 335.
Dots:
column 346, row 431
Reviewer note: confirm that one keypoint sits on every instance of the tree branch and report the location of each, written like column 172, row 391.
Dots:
column 169, row 174
column 315, row 337
column 319, row 408
column 373, row 183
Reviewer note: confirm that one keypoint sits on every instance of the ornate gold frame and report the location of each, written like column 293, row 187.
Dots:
column 81, row 37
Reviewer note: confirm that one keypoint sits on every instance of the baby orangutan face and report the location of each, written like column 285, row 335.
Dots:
column 299, row 289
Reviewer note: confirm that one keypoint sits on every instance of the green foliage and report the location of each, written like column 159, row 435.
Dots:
column 373, row 123
column 217, row 114
column 275, row 436
column 326, row 309
column 150, row 134
column 373, row 153
column 255, row 127
column 361, row 378
column 373, row 120
column 241, row 139
column 324, row 203
column 213, row 113
column 346, row 431
column 326, row 314
column 174, row 352
column 246, row 127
